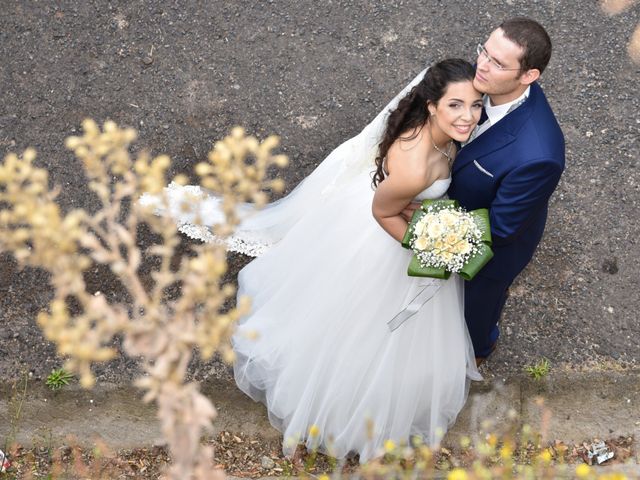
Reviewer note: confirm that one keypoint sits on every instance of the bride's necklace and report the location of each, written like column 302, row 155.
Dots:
column 447, row 154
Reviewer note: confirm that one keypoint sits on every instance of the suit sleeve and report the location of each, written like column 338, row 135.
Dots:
column 523, row 193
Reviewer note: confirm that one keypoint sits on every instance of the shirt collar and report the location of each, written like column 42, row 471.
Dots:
column 496, row 113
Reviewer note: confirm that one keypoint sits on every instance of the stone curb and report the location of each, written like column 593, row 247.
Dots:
column 577, row 407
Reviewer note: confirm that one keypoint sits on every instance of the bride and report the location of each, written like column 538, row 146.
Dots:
column 344, row 349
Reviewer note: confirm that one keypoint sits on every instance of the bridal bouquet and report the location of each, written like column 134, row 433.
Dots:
column 447, row 239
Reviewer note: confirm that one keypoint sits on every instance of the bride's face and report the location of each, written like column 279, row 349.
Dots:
column 457, row 112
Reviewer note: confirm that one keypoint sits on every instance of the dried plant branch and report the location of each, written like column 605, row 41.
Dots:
column 617, row 7
column 164, row 332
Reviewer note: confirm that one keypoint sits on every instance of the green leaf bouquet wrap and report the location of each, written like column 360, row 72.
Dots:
column 446, row 239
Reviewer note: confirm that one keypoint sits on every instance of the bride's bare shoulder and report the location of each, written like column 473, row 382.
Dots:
column 409, row 151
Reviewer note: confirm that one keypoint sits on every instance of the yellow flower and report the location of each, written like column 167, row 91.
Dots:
column 314, row 431
column 483, row 472
column 457, row 474
column 612, row 476
column 583, row 470
column 545, row 456
column 506, row 452
column 425, row 453
column 389, row 446
column 465, row 442
column 324, row 477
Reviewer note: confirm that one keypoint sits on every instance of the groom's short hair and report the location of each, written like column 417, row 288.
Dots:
column 533, row 38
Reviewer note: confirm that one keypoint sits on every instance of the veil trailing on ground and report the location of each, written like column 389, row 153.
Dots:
column 261, row 229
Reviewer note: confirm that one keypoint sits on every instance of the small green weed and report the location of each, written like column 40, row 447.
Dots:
column 288, row 469
column 58, row 378
column 539, row 370
column 16, row 402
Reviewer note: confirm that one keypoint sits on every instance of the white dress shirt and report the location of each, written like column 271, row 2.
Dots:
column 497, row 112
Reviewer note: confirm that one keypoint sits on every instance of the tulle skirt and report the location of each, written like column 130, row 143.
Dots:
column 316, row 348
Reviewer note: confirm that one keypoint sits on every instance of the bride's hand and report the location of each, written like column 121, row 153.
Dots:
column 407, row 212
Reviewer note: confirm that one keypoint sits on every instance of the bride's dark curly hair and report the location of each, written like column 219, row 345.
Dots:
column 412, row 112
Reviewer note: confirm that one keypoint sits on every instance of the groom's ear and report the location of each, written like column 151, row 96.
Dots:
column 530, row 76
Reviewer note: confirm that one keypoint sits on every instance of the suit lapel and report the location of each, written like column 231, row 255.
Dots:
column 493, row 139
column 499, row 135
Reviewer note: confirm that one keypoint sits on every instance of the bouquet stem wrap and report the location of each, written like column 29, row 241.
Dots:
column 474, row 264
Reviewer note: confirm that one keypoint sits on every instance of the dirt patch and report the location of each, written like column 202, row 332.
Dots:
column 240, row 456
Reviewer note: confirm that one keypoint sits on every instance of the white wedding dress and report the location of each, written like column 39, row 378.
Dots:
column 316, row 348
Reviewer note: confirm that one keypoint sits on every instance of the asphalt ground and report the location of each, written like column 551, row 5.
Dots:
column 183, row 73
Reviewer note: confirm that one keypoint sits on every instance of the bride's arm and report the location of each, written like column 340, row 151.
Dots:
column 406, row 179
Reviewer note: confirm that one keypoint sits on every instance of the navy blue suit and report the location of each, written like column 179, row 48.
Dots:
column 512, row 169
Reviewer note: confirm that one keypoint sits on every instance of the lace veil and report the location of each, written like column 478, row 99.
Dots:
column 263, row 228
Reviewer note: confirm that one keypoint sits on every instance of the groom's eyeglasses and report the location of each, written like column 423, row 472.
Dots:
column 483, row 52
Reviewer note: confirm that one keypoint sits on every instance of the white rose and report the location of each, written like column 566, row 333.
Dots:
column 419, row 228
column 451, row 240
column 446, row 256
column 435, row 229
column 429, row 218
column 421, row 243
column 447, row 218
column 462, row 229
column 464, row 247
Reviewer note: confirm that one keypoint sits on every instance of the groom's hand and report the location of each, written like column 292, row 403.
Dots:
column 407, row 212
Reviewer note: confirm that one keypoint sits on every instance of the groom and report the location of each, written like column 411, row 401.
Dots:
column 511, row 165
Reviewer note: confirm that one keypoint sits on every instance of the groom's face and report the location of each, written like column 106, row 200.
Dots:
column 498, row 71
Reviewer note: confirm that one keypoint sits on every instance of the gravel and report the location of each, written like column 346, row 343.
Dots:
column 184, row 73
